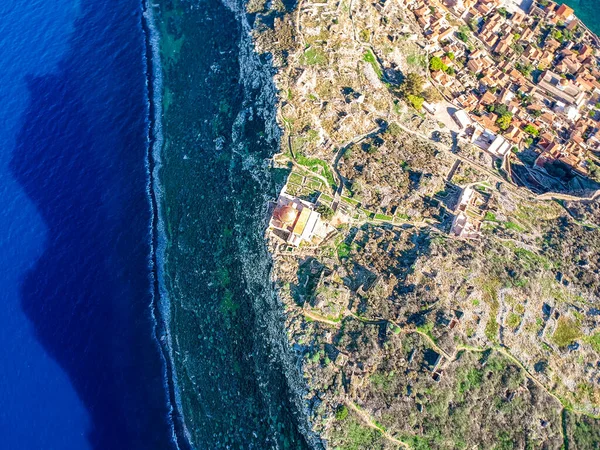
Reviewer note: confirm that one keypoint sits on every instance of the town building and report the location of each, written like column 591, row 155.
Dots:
column 500, row 64
column 296, row 221
column 469, row 214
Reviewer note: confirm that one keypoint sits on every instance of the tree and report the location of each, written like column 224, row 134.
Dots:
column 503, row 122
column 557, row 34
column 412, row 85
column 594, row 172
column 518, row 48
column 450, row 56
column 499, row 108
column 436, row 63
column 464, row 33
column 531, row 130
column 325, row 211
column 473, row 24
column 525, row 69
column 416, row 101
column 432, row 95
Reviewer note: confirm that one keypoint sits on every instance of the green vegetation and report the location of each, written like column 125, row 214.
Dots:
column 343, row 250
column 472, row 380
column 412, row 84
column 567, row 331
column 341, row 413
column 530, row 129
column 594, row 341
column 325, row 211
column 584, row 432
column 365, row 35
column 371, row 59
column 525, row 69
column 383, row 381
column 318, row 166
column 513, row 320
column 558, row 35
column 435, row 63
column 416, row 442
column 395, row 328
column 504, row 115
column 427, row 329
column 490, row 216
column 415, row 101
column 314, row 56
column 416, row 60
column 513, row 226
column 492, row 327
column 464, row 33
column 383, row 217
column 350, row 434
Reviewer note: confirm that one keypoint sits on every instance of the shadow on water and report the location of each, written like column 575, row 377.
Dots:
column 80, row 158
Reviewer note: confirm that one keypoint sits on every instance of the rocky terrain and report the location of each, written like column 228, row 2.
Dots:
column 408, row 336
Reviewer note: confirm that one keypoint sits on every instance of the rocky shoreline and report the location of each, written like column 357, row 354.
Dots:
column 238, row 385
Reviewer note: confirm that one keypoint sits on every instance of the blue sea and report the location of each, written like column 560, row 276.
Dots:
column 588, row 11
column 80, row 367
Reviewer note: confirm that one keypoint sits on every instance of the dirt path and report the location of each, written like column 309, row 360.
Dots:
column 370, row 422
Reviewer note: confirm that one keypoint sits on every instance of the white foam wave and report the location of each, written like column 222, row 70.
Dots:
column 160, row 313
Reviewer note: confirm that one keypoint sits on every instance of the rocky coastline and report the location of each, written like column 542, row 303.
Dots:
column 238, row 384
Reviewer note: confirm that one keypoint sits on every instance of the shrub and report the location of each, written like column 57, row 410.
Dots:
column 341, row 413
column 513, row 320
column 394, row 130
column 449, row 70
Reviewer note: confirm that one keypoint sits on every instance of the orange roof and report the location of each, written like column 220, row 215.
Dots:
column 564, row 11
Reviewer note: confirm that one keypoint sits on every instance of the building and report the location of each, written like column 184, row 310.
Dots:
column 561, row 89
column 469, row 214
column 462, row 119
column 564, row 13
column 295, row 221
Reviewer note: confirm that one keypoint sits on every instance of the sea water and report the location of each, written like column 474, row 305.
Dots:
column 79, row 363
column 588, row 11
